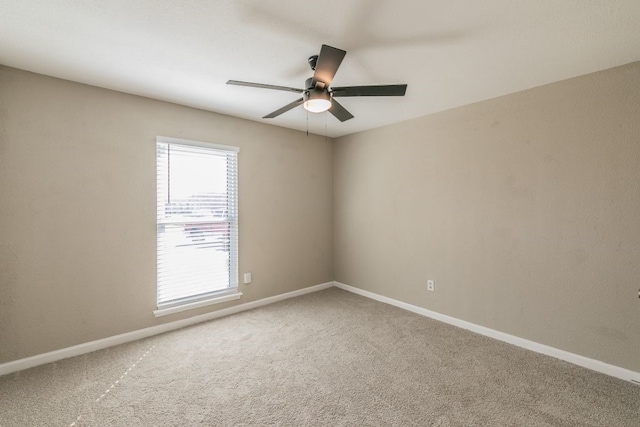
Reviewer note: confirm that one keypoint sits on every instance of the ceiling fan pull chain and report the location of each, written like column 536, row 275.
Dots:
column 325, row 128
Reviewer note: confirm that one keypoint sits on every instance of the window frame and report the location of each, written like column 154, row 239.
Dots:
column 218, row 296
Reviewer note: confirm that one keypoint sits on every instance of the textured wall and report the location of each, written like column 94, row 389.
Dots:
column 77, row 209
column 525, row 209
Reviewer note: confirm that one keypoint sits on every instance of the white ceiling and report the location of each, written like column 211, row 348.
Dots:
column 449, row 52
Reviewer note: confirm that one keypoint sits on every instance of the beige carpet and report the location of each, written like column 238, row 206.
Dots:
column 326, row 359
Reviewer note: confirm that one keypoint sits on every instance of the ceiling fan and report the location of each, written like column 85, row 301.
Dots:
column 318, row 95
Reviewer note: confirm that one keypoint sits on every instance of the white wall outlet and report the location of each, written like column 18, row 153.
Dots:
column 431, row 285
column 247, row 278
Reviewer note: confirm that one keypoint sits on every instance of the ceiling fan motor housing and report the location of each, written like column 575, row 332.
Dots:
column 315, row 93
column 312, row 83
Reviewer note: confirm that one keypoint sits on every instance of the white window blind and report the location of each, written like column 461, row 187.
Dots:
column 197, row 195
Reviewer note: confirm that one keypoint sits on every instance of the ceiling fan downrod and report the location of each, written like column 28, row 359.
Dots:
column 313, row 60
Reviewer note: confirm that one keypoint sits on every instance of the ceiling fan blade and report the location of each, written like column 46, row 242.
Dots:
column 284, row 109
column 381, row 90
column 264, row 86
column 329, row 60
column 339, row 111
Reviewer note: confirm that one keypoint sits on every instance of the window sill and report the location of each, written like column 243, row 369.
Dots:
column 190, row 306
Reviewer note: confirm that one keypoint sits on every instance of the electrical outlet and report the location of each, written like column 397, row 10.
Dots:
column 247, row 278
column 431, row 285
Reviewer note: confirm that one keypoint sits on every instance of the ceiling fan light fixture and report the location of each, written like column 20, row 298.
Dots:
column 316, row 101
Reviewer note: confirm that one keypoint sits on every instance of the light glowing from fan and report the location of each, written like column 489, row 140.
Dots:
column 317, row 101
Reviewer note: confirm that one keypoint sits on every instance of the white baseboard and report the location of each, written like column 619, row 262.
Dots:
column 585, row 362
column 77, row 350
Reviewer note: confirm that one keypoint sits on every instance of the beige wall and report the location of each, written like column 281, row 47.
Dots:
column 525, row 209
column 77, row 209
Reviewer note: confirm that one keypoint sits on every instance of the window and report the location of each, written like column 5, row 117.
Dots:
column 197, row 195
